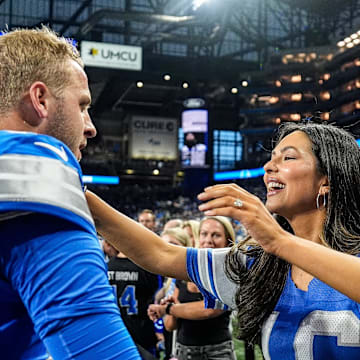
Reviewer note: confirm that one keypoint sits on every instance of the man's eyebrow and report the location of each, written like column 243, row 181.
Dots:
column 284, row 149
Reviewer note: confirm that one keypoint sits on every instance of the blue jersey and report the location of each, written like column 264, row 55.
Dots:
column 320, row 323
column 54, row 292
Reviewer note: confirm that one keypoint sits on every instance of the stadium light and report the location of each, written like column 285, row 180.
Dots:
column 198, row 3
column 296, row 97
column 295, row 117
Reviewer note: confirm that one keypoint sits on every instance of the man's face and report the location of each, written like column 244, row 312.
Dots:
column 190, row 140
column 147, row 220
column 70, row 121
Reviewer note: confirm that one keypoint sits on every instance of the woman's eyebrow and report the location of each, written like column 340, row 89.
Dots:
column 284, row 149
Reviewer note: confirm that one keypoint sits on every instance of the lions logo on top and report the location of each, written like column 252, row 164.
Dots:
column 320, row 323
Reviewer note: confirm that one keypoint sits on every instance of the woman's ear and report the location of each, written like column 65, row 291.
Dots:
column 324, row 187
column 325, row 190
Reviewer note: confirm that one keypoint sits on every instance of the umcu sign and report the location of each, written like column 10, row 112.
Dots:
column 111, row 55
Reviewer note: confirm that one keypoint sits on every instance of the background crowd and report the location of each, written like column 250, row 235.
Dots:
column 166, row 317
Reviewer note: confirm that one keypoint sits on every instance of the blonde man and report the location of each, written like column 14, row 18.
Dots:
column 54, row 292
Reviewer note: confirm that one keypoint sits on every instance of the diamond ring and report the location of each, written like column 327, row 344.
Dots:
column 238, row 203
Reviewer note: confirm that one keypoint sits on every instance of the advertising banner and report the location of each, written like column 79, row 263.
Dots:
column 113, row 56
column 153, row 138
column 195, row 128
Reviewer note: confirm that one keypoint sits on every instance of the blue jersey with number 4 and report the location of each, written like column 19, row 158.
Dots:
column 320, row 323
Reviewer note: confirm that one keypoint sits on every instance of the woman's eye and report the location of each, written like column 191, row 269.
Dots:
column 289, row 158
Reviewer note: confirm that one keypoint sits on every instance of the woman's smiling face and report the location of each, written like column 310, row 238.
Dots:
column 212, row 234
column 291, row 176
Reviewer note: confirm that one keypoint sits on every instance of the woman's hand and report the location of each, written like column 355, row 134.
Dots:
column 233, row 201
column 338, row 270
column 156, row 311
column 168, row 299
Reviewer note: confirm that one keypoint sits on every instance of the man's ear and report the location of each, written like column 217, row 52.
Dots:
column 39, row 100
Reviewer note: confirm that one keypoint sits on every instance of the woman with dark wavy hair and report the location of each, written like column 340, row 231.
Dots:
column 295, row 279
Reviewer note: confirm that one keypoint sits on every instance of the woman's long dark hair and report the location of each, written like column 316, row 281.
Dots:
column 260, row 286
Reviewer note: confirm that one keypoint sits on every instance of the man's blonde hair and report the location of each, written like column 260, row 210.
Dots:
column 27, row 56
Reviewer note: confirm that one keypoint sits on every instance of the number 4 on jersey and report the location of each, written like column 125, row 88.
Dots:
column 128, row 300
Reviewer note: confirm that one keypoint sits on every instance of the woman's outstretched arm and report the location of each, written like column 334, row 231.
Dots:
column 141, row 245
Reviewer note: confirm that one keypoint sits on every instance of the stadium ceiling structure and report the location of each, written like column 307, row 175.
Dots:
column 213, row 47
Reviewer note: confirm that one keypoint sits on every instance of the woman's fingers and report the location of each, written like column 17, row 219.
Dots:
column 226, row 187
column 232, row 201
column 219, row 186
column 226, row 206
column 223, row 211
column 226, row 201
column 151, row 314
column 219, row 191
column 154, row 311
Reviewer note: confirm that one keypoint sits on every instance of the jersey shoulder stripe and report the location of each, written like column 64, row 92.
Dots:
column 39, row 179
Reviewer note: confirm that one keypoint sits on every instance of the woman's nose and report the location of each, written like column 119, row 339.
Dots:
column 270, row 166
